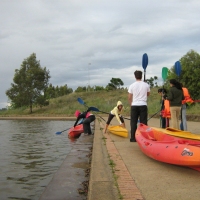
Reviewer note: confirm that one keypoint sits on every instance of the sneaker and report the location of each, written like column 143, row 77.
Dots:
column 86, row 134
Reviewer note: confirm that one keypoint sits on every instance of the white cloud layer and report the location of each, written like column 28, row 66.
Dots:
column 111, row 35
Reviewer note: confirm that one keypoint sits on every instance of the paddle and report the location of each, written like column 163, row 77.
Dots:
column 153, row 115
column 81, row 101
column 177, row 68
column 62, row 131
column 97, row 110
column 89, row 108
column 144, row 63
column 94, row 108
column 164, row 73
column 164, row 77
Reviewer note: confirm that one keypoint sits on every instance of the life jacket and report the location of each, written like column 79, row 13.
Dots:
column 88, row 114
column 166, row 111
column 188, row 99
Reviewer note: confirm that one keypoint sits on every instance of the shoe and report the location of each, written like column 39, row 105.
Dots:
column 133, row 140
column 86, row 134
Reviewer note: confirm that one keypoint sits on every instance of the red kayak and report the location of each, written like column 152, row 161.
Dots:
column 169, row 149
column 75, row 131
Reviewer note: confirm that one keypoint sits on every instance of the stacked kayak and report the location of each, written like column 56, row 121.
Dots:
column 163, row 147
column 179, row 133
column 118, row 130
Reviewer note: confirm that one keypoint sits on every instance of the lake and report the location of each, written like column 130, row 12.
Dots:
column 30, row 154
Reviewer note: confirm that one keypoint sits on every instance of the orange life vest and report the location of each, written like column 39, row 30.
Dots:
column 187, row 99
column 166, row 111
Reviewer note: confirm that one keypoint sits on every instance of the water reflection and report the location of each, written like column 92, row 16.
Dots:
column 30, row 153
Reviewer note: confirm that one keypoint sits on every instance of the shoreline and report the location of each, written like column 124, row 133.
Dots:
column 37, row 118
column 191, row 118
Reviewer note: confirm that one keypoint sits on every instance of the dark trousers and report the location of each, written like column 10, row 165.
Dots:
column 162, row 122
column 137, row 112
column 110, row 117
column 86, row 124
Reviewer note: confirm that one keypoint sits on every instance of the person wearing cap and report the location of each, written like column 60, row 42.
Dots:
column 116, row 111
column 137, row 97
column 175, row 97
column 87, row 119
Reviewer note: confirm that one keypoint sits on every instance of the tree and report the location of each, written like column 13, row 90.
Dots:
column 152, row 81
column 30, row 82
column 114, row 84
column 189, row 76
column 81, row 89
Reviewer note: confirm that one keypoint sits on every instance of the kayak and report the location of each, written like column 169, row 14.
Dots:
column 179, row 133
column 166, row 148
column 118, row 130
column 75, row 131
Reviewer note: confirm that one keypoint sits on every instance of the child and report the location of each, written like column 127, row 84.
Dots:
column 165, row 111
column 116, row 112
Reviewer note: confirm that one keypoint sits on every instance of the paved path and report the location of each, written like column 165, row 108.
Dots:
column 140, row 177
column 71, row 173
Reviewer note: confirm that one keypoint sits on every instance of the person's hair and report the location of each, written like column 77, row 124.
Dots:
column 176, row 83
column 138, row 74
column 163, row 90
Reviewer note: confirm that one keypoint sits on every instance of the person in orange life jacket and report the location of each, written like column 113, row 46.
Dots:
column 187, row 100
column 116, row 111
column 164, row 114
column 175, row 97
column 87, row 119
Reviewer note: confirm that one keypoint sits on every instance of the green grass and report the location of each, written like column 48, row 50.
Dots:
column 103, row 100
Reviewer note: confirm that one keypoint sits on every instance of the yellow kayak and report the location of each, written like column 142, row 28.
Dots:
column 118, row 130
column 179, row 133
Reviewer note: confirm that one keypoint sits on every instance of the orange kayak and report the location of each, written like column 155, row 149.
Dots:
column 75, row 131
column 169, row 149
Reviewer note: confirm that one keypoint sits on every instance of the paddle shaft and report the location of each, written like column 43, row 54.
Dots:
column 153, row 115
column 62, row 131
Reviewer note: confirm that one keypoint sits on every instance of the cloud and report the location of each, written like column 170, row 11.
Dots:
column 111, row 35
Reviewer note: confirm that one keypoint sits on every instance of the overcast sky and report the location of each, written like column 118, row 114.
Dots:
column 86, row 42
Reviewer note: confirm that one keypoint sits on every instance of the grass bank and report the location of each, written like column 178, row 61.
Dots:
column 103, row 100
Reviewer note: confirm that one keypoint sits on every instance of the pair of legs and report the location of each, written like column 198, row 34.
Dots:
column 183, row 117
column 86, row 124
column 110, row 117
column 175, row 112
column 164, row 122
column 137, row 112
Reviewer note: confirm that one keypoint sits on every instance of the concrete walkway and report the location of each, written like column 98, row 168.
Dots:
column 71, row 173
column 138, row 176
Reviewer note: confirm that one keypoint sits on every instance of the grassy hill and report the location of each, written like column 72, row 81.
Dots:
column 103, row 100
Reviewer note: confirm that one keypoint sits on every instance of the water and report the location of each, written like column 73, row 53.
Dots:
column 30, row 154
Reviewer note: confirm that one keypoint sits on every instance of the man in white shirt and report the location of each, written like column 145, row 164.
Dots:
column 137, row 97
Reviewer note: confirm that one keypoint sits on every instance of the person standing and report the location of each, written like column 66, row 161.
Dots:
column 117, row 110
column 187, row 100
column 175, row 97
column 165, row 109
column 137, row 97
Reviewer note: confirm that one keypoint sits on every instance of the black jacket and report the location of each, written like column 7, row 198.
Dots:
column 175, row 96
